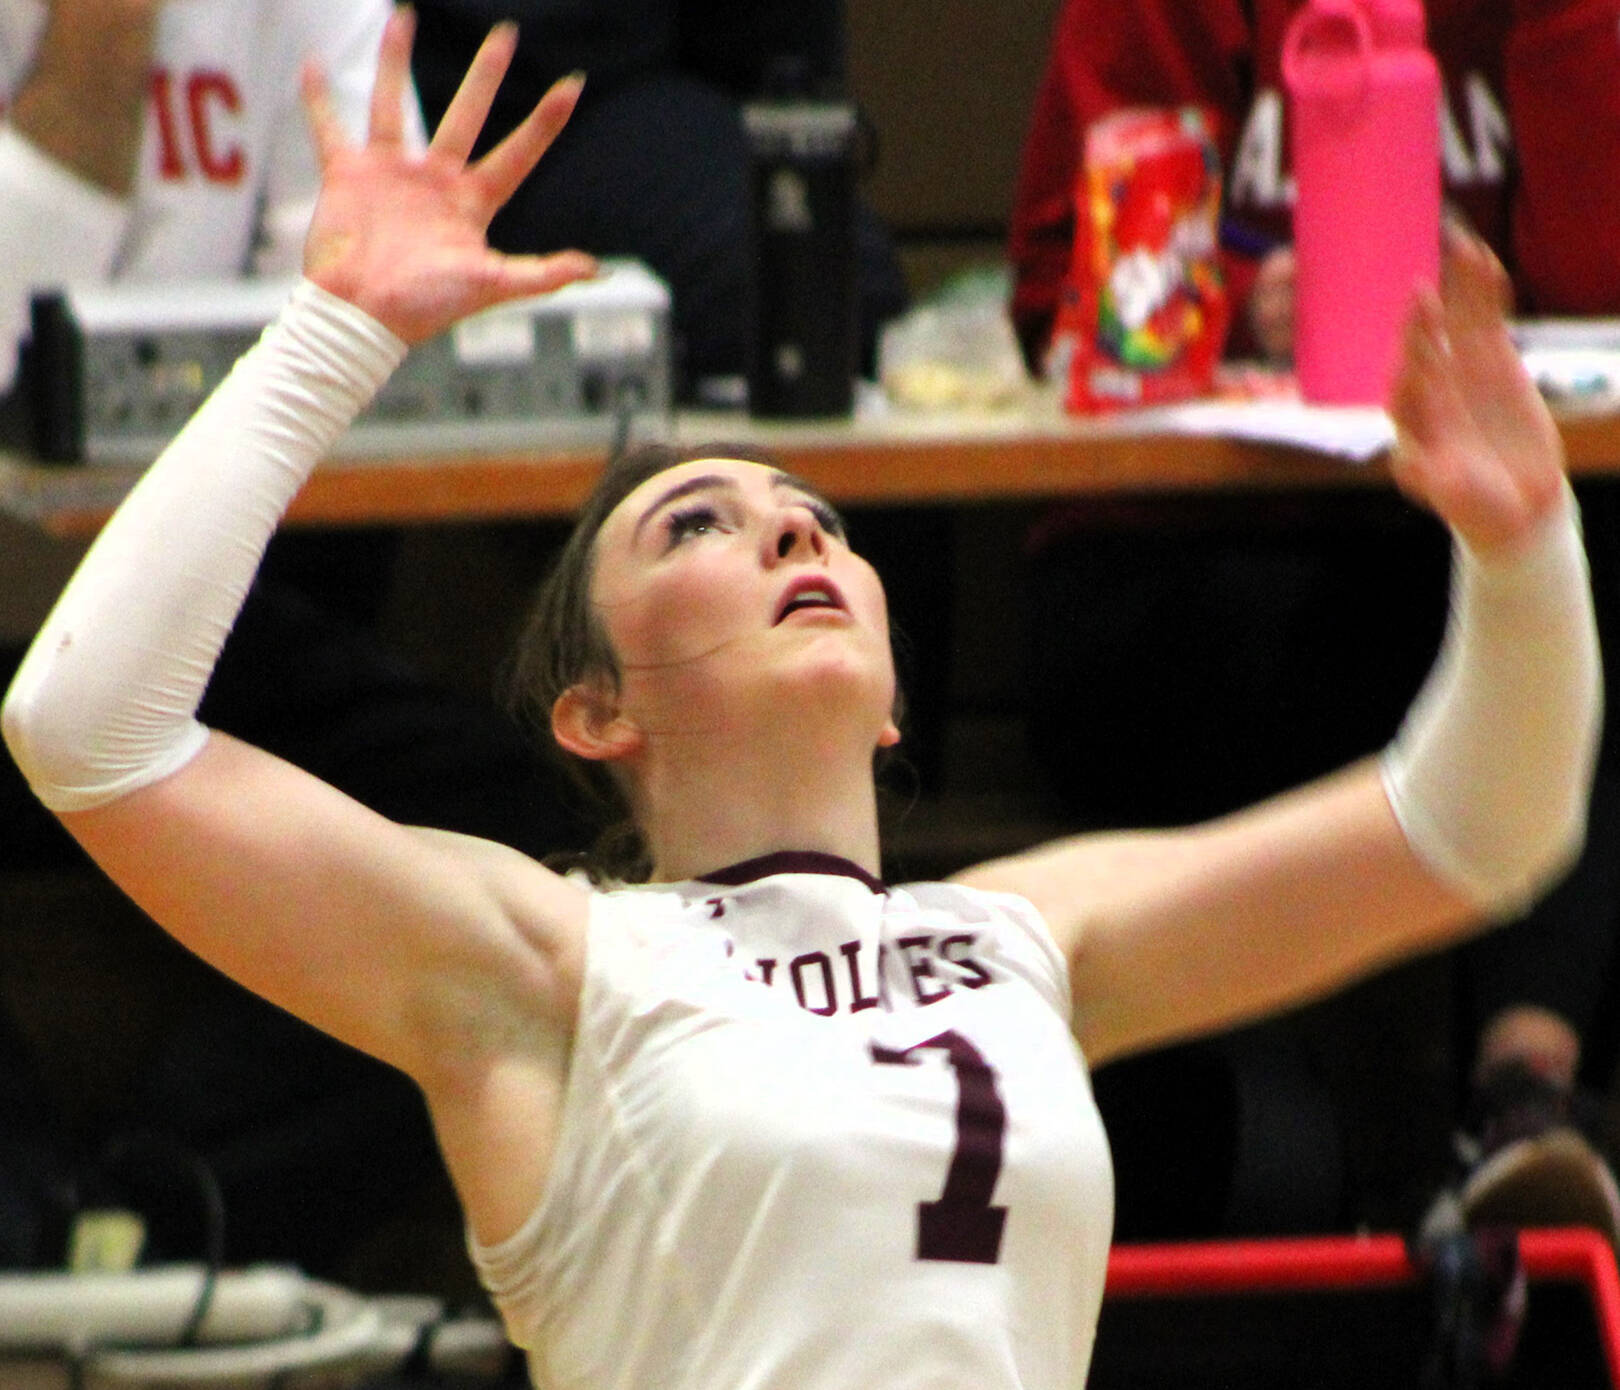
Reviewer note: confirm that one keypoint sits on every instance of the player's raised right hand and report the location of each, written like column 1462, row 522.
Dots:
column 402, row 234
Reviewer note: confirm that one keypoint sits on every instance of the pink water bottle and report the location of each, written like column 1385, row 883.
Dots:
column 1364, row 115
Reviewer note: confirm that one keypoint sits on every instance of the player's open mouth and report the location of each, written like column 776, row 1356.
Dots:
column 810, row 592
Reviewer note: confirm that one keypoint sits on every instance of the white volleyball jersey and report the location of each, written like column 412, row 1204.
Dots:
column 817, row 1135
column 227, row 175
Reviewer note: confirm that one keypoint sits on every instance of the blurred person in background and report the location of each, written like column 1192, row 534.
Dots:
column 655, row 163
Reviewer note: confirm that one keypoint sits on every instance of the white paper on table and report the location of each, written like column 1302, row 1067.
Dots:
column 1355, row 433
column 1585, row 334
column 1574, row 378
column 1574, row 362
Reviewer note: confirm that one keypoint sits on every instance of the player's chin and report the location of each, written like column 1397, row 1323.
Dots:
column 840, row 673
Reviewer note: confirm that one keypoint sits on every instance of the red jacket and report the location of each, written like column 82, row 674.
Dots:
column 1531, row 135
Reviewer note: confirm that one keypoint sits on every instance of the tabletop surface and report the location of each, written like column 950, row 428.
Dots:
column 892, row 458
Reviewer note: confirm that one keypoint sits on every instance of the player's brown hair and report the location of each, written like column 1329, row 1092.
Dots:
column 564, row 644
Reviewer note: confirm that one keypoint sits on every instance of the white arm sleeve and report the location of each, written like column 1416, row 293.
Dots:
column 54, row 226
column 106, row 699
column 1490, row 773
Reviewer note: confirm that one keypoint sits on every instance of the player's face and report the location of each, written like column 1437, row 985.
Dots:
column 720, row 578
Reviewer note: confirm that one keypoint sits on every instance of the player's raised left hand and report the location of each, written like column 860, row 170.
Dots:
column 1475, row 441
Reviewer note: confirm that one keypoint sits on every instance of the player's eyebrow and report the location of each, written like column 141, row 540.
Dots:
column 704, row 482
column 701, row 482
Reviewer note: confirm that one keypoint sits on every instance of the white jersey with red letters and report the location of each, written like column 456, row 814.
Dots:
column 227, row 175
column 817, row 1134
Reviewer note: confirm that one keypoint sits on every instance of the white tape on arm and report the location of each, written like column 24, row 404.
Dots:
column 1491, row 772
column 106, row 699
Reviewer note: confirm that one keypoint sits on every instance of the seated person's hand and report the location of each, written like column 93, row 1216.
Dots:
column 1271, row 306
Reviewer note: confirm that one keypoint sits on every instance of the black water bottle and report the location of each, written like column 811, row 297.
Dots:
column 803, row 335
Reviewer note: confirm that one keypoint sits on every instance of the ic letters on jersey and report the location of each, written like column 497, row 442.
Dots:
column 227, row 175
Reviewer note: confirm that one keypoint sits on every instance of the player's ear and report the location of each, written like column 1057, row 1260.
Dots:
column 586, row 721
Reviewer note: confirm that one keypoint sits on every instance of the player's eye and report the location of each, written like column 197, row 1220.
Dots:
column 686, row 522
